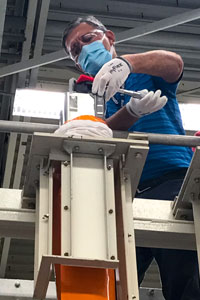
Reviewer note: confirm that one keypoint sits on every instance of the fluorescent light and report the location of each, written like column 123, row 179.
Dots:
column 190, row 113
column 36, row 103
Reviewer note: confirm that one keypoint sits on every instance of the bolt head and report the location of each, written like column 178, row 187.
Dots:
column 109, row 167
column 100, row 150
column 138, row 155
column 45, row 217
column 17, row 284
column 151, row 292
column 66, row 163
column 110, row 211
column 76, row 148
column 112, row 257
column 66, row 207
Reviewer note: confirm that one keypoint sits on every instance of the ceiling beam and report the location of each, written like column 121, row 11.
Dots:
column 33, row 63
column 26, row 48
column 39, row 39
column 3, row 4
column 121, row 37
column 158, row 26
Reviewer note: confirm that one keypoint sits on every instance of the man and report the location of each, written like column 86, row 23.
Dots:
column 91, row 46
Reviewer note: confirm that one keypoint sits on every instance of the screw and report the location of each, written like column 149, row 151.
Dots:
column 112, row 257
column 125, row 178
column 76, row 148
column 66, row 207
column 66, row 163
column 100, row 150
column 46, row 216
column 129, row 235
column 138, row 155
column 151, row 292
column 17, row 284
column 109, row 167
column 110, row 211
column 196, row 180
column 66, row 254
column 133, row 297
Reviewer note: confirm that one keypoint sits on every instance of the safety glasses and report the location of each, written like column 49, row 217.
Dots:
column 76, row 46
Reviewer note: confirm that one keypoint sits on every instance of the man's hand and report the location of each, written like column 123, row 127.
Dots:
column 150, row 103
column 110, row 78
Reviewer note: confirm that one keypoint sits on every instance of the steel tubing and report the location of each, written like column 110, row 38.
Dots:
column 172, row 139
column 165, row 139
column 154, row 138
column 26, row 127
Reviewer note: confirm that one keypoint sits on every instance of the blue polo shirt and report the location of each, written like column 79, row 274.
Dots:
column 161, row 159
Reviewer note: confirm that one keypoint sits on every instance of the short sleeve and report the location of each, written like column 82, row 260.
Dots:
column 167, row 88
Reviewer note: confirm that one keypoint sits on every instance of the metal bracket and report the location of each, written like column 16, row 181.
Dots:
column 135, row 157
column 49, row 260
column 190, row 190
column 83, row 146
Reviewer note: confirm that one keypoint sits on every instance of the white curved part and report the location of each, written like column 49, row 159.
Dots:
column 88, row 217
column 85, row 128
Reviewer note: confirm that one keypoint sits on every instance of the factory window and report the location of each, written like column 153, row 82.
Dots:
column 39, row 104
column 190, row 113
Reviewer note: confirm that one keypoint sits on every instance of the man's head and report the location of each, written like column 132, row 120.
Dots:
column 83, row 32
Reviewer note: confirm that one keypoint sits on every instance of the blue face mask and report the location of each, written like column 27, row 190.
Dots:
column 93, row 57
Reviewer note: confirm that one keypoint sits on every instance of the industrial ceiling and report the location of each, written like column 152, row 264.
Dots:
column 31, row 33
column 31, row 55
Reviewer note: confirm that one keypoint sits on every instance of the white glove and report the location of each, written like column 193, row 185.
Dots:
column 149, row 103
column 81, row 128
column 111, row 77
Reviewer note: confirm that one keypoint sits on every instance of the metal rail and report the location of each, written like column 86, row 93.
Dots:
column 26, row 127
column 154, row 138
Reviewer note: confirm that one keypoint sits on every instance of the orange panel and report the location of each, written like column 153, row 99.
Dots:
column 77, row 283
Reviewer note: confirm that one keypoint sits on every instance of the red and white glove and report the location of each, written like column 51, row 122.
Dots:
column 149, row 103
column 111, row 77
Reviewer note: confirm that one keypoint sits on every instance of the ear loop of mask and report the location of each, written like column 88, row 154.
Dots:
column 111, row 48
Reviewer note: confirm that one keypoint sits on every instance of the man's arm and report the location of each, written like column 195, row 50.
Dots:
column 165, row 64
column 124, row 118
column 121, row 120
column 113, row 74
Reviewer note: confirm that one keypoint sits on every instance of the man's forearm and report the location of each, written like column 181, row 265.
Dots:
column 165, row 64
column 121, row 120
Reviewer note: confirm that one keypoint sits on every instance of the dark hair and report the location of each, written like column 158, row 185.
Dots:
column 91, row 20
